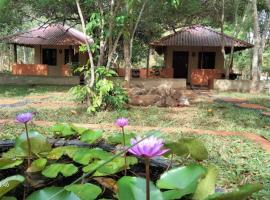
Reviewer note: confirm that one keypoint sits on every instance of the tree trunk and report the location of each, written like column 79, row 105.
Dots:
column 223, row 42
column 127, row 59
column 92, row 66
column 256, row 48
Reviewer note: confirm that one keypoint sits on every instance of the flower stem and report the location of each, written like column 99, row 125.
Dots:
column 147, row 176
column 125, row 155
column 29, row 146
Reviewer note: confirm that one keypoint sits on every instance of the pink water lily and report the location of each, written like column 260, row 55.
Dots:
column 121, row 122
column 148, row 148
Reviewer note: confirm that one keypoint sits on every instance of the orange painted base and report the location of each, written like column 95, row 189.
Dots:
column 204, row 76
column 30, row 69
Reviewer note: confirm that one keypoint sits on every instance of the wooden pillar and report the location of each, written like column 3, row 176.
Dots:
column 15, row 53
column 70, row 55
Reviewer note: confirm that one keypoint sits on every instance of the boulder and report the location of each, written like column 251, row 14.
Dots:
column 143, row 100
column 138, row 91
column 183, row 101
column 171, row 102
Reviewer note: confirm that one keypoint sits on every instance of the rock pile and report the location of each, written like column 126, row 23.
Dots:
column 162, row 96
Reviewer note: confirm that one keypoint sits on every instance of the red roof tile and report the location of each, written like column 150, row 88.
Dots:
column 54, row 34
column 198, row 35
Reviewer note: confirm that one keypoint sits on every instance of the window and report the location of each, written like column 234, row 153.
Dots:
column 74, row 57
column 49, row 57
column 207, row 60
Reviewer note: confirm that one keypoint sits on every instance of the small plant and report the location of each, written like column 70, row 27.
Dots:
column 105, row 94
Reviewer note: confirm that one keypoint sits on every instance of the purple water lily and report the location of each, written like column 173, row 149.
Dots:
column 121, row 122
column 148, row 148
column 24, row 117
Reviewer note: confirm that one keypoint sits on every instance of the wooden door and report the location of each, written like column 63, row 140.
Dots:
column 180, row 64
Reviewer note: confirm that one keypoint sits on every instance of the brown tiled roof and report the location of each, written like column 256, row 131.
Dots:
column 201, row 36
column 54, row 34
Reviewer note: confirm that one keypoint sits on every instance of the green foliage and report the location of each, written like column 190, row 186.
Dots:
column 85, row 191
column 6, row 163
column 37, row 165
column 113, row 167
column 105, row 94
column 207, row 185
column 90, row 136
column 39, row 143
column 79, row 154
column 54, row 193
column 242, row 193
column 189, row 146
column 183, row 180
column 10, row 183
column 63, row 130
column 53, row 170
column 133, row 188
column 118, row 138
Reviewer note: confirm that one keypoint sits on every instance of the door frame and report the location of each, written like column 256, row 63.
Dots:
column 187, row 53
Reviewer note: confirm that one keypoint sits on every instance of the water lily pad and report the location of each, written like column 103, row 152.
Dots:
column 53, row 170
column 85, row 191
column 39, row 143
column 37, row 165
column 53, row 193
column 10, row 183
column 207, row 185
column 184, row 179
column 113, row 167
column 189, row 146
column 79, row 154
column 134, row 188
column 63, row 130
column 90, row 136
column 6, row 163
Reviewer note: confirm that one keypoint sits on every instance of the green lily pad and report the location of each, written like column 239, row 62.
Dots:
column 53, row 170
column 10, row 183
column 189, row 146
column 37, row 165
column 184, row 179
column 63, row 130
column 207, row 185
column 90, row 136
column 79, row 154
column 39, row 143
column 118, row 138
column 113, row 167
column 6, row 163
column 85, row 191
column 52, row 193
column 134, row 188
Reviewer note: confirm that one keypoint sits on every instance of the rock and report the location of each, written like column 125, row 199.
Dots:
column 143, row 100
column 137, row 85
column 183, row 101
column 161, row 102
column 138, row 91
column 171, row 102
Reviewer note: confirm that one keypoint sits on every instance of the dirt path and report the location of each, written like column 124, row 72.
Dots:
column 264, row 143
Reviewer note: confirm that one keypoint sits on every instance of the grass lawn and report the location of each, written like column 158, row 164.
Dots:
column 239, row 160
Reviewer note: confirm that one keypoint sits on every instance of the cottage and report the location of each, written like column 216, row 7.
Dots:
column 194, row 53
column 56, row 48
